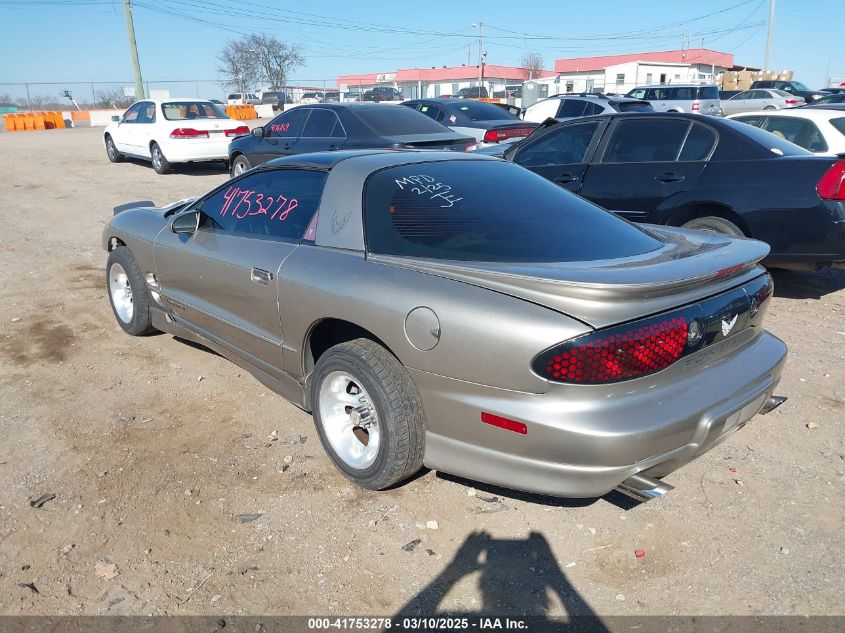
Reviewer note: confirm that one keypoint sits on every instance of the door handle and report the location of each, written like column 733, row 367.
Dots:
column 565, row 178
column 286, row 147
column 261, row 276
column 670, row 177
column 333, row 147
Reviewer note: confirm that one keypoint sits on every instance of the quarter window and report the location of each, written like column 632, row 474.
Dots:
column 432, row 112
column 564, row 145
column 273, row 204
column 289, row 124
column 570, row 108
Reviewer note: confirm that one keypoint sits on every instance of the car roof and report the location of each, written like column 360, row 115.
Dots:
column 814, row 113
column 176, row 100
column 379, row 157
column 675, row 86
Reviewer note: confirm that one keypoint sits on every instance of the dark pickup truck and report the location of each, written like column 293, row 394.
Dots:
column 792, row 87
column 697, row 172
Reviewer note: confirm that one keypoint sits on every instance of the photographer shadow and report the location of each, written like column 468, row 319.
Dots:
column 515, row 578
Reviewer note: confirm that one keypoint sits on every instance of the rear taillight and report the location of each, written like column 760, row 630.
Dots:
column 832, row 184
column 494, row 136
column 792, row 101
column 617, row 353
column 238, row 131
column 696, row 106
column 188, row 132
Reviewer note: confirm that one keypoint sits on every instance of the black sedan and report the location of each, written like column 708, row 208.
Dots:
column 701, row 173
column 489, row 123
column 334, row 126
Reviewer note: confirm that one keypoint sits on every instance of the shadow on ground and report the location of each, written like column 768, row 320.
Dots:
column 516, row 577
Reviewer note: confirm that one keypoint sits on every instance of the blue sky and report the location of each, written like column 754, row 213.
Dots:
column 85, row 40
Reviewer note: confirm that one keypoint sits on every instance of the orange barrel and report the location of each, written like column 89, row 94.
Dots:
column 29, row 121
column 38, row 121
column 20, row 122
column 9, row 122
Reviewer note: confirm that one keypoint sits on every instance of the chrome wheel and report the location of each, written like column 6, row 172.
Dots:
column 110, row 149
column 157, row 156
column 239, row 167
column 121, row 293
column 349, row 419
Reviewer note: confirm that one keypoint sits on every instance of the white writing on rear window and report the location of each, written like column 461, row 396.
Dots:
column 423, row 185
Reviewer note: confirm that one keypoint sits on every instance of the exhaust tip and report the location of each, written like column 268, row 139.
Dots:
column 644, row 488
column 772, row 403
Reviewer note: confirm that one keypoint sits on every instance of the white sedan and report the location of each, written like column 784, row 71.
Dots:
column 168, row 131
column 818, row 130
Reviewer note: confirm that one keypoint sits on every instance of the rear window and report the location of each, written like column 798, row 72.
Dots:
column 839, row 124
column 189, row 110
column 478, row 111
column 708, row 92
column 388, row 121
column 489, row 211
column 772, row 142
column 802, row 132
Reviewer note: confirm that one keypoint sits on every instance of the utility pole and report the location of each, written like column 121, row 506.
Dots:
column 133, row 50
column 469, row 53
column 480, row 26
column 769, row 34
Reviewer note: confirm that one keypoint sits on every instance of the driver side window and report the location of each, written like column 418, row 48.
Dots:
column 568, row 144
column 131, row 115
column 273, row 204
column 289, row 124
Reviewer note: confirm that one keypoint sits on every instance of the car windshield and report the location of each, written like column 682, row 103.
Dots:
column 187, row 110
column 396, row 121
column 490, row 211
column 797, row 85
column 781, row 93
column 309, row 95
column 480, row 111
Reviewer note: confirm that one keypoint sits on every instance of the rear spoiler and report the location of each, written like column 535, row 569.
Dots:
column 133, row 205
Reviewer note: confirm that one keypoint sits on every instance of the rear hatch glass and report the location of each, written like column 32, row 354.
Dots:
column 708, row 92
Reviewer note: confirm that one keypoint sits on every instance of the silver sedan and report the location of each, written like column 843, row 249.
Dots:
column 460, row 312
column 760, row 99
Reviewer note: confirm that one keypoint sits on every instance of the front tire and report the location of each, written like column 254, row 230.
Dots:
column 368, row 414
column 111, row 151
column 128, row 293
column 160, row 163
column 239, row 166
column 714, row 224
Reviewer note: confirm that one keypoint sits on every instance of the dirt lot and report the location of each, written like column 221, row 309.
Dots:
column 154, row 448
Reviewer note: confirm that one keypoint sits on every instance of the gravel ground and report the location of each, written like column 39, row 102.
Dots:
column 156, row 450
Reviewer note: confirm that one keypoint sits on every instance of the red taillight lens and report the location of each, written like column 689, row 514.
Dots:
column 832, row 184
column 792, row 101
column 238, row 131
column 494, row 136
column 696, row 106
column 188, row 132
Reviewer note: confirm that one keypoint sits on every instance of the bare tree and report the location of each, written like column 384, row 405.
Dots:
column 532, row 64
column 238, row 66
column 113, row 98
column 276, row 60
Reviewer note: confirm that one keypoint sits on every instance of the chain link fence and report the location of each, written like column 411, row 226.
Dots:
column 87, row 95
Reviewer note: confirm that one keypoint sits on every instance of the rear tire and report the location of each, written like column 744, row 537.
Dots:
column 368, row 414
column 714, row 224
column 770, row 107
column 111, row 151
column 239, row 166
column 160, row 163
column 128, row 293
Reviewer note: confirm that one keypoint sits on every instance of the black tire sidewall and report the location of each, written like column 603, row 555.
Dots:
column 141, row 322
column 242, row 159
column 715, row 225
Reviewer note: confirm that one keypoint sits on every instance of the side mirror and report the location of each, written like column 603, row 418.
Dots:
column 186, row 224
column 258, row 131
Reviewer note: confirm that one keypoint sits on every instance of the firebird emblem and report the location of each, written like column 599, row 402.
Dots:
column 727, row 326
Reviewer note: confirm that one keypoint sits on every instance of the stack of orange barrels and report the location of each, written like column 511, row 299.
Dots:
column 23, row 121
column 241, row 112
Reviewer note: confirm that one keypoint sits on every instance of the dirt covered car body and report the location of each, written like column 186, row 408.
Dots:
column 457, row 311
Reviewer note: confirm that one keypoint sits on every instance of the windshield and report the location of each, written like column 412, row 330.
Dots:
column 479, row 111
column 390, row 121
column 189, row 110
column 797, row 85
column 490, row 211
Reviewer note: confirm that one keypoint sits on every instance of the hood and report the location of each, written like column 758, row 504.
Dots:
column 690, row 266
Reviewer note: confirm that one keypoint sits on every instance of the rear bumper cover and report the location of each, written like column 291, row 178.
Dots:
column 185, row 151
column 583, row 441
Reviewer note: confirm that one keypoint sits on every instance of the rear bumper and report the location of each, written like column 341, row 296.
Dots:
column 583, row 441
column 186, row 151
